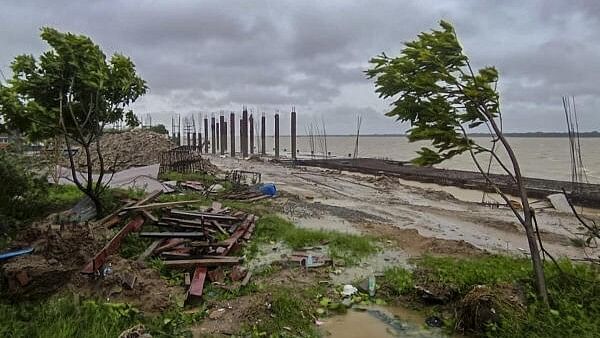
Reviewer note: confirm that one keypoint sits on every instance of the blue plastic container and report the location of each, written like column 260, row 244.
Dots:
column 268, row 189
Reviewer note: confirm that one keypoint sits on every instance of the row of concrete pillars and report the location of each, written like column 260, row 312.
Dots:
column 220, row 128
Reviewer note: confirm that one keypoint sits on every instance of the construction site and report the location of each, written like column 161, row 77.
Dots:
column 182, row 212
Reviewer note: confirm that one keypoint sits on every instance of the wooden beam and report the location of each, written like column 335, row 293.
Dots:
column 194, row 214
column 185, row 263
column 172, row 234
column 160, row 205
column 149, row 250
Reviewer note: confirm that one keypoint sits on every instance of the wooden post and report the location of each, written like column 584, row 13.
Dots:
column 206, row 135
column 200, row 142
column 293, row 133
column 194, row 144
column 277, row 136
column 251, row 134
column 263, row 137
column 232, row 124
column 212, row 138
column 241, row 137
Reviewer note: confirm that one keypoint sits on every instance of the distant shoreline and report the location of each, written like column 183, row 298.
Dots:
column 591, row 134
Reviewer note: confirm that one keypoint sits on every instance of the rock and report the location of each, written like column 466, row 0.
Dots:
column 52, row 261
column 238, row 273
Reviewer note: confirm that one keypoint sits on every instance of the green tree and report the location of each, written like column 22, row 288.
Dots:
column 435, row 89
column 159, row 128
column 71, row 91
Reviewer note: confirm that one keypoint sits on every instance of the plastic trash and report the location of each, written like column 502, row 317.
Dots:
column 349, row 290
column 268, row 189
column 11, row 254
column 371, row 285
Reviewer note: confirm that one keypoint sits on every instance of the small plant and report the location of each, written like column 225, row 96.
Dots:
column 398, row 281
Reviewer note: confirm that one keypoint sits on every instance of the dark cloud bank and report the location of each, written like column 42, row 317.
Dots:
column 206, row 56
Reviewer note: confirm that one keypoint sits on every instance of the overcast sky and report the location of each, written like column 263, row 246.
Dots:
column 207, row 56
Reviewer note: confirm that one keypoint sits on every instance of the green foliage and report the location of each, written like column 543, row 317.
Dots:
column 290, row 315
column 71, row 92
column 434, row 89
column 173, row 276
column 66, row 316
column 464, row 273
column 72, row 78
column 21, row 192
column 574, row 291
column 349, row 247
column 133, row 245
column 63, row 196
column 398, row 281
column 159, row 128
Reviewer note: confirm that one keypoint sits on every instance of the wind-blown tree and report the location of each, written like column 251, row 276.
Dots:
column 435, row 89
column 71, row 91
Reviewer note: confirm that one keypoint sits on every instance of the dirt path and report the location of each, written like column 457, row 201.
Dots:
column 365, row 202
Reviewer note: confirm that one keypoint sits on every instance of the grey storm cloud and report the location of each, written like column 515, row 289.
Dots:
column 208, row 56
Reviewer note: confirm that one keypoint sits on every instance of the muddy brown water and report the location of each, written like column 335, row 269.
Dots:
column 379, row 322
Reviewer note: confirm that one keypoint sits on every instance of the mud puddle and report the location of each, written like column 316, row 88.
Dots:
column 379, row 322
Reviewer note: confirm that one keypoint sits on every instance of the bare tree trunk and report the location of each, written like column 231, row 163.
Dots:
column 538, row 265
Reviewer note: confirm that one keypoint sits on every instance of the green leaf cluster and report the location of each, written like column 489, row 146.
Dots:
column 73, row 79
column 433, row 87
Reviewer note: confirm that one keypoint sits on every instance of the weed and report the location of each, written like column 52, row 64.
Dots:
column 350, row 248
column 172, row 276
column 398, row 281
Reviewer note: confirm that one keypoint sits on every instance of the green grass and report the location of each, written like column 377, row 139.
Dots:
column 67, row 316
column 348, row 247
column 172, row 276
column 574, row 291
column 462, row 274
column 63, row 196
column 290, row 315
column 397, row 281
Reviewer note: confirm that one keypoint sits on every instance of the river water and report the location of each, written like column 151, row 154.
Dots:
column 542, row 157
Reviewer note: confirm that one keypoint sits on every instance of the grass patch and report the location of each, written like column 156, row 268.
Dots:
column 350, row 248
column 397, row 281
column 63, row 196
column 462, row 274
column 574, row 291
column 172, row 276
column 67, row 316
column 290, row 314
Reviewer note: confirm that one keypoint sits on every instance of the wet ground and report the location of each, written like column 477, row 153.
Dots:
column 380, row 322
column 382, row 205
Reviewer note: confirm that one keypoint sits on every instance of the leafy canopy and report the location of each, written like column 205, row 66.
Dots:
column 73, row 75
column 434, row 88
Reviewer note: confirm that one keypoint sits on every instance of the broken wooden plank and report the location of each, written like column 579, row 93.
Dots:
column 151, row 197
column 183, row 221
column 113, row 245
column 216, row 224
column 172, row 234
column 170, row 243
column 247, row 278
column 187, row 280
column 197, row 283
column 208, row 244
column 149, row 250
column 149, row 216
column 186, row 263
column 160, row 205
column 207, row 215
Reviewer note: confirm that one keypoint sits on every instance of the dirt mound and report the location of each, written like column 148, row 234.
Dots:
column 58, row 254
column 484, row 305
column 123, row 150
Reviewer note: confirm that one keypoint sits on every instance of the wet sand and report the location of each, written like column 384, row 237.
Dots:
column 390, row 204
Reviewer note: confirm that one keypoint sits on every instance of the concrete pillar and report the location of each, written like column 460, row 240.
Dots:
column 293, row 134
column 232, row 124
column 206, row 135
column 277, row 136
column 263, row 136
column 200, row 141
column 244, row 133
column 222, row 134
column 218, row 137
column 213, row 143
column 251, row 134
